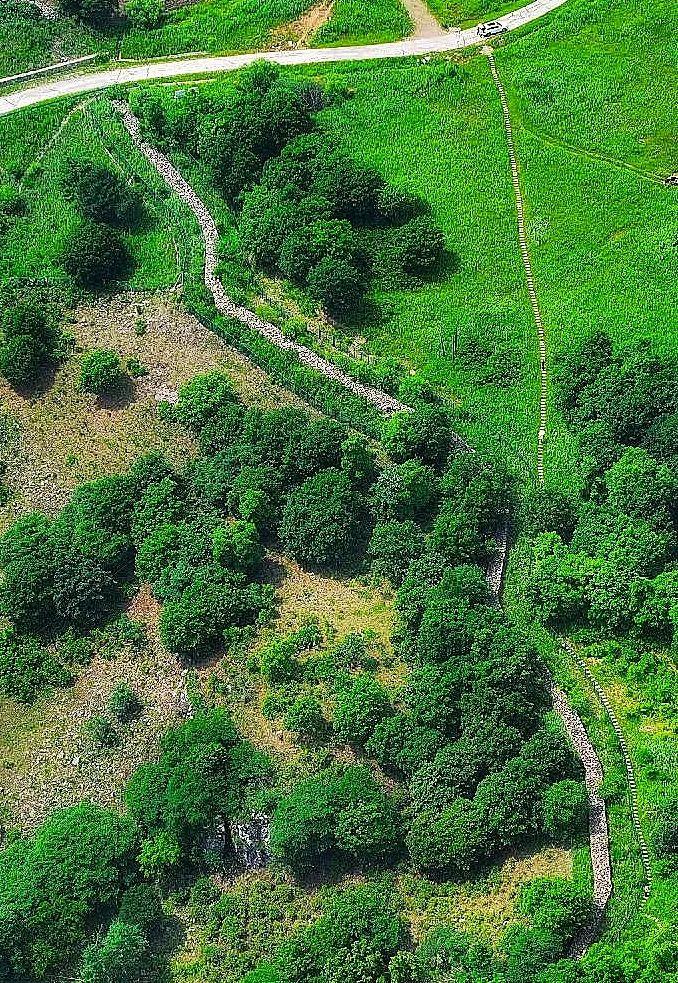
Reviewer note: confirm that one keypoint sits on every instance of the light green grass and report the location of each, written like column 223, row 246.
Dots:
column 365, row 22
column 214, row 26
column 32, row 245
column 28, row 40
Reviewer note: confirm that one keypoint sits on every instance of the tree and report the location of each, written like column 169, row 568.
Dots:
column 102, row 373
column 642, row 488
column 95, row 255
column 307, row 246
column 145, row 14
column 548, row 510
column 403, row 491
column 400, row 744
column 338, row 286
column 393, row 547
column 450, row 842
column 358, row 707
column 426, row 433
column 55, row 882
column 338, row 811
column 419, row 246
column 321, row 520
column 565, row 810
column 102, row 195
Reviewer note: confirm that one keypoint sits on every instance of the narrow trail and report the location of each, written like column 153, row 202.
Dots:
column 599, row 839
column 527, row 263
column 628, row 763
column 426, row 25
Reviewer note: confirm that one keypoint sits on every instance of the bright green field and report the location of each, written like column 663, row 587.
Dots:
column 361, row 22
column 214, row 25
column 465, row 13
column 28, row 40
column 32, row 245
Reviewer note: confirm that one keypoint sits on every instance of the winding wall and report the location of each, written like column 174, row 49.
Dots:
column 592, row 767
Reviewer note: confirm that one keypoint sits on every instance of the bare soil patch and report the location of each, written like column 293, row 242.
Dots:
column 298, row 33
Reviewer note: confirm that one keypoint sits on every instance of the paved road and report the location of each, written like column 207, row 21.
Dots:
column 79, row 84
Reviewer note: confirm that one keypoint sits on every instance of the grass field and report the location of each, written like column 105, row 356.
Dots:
column 31, row 247
column 28, row 40
column 360, row 22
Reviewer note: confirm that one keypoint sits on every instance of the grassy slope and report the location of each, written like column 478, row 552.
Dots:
column 599, row 78
column 466, row 13
column 596, row 126
column 360, row 22
column 440, row 135
column 34, row 242
column 28, row 40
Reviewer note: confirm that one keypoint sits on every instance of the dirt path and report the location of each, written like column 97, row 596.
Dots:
column 425, row 24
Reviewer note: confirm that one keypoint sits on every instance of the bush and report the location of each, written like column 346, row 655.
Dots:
column 236, row 546
column 320, row 521
column 419, row 247
column 306, row 719
column 27, row 668
column 358, row 707
column 548, row 510
column 27, row 342
column 122, row 956
column 123, row 704
column 337, row 286
column 101, row 194
column 426, row 434
column 565, row 810
column 203, row 398
column 393, row 547
column 102, row 373
column 145, row 14
column 56, row 882
column 95, row 255
column 403, row 491
column 101, row 732
column 278, row 661
column 97, row 12
column 141, row 905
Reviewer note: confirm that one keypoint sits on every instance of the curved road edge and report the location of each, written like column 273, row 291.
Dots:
column 79, row 84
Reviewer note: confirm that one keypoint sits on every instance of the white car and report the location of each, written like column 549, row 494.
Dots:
column 490, row 29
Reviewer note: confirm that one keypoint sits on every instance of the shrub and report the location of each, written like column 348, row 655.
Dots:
column 101, row 194
column 27, row 668
column 203, row 398
column 102, row 373
column 236, row 546
column 337, row 286
column 123, row 703
column 95, row 255
column 278, row 661
column 399, row 744
column 141, row 905
column 393, row 547
column 565, row 810
column 358, row 707
column 27, row 342
column 548, row 510
column 666, row 831
column 320, row 521
column 97, row 12
column 419, row 246
column 54, row 883
column 101, row 732
column 306, row 719
column 122, row 956
column 145, row 14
